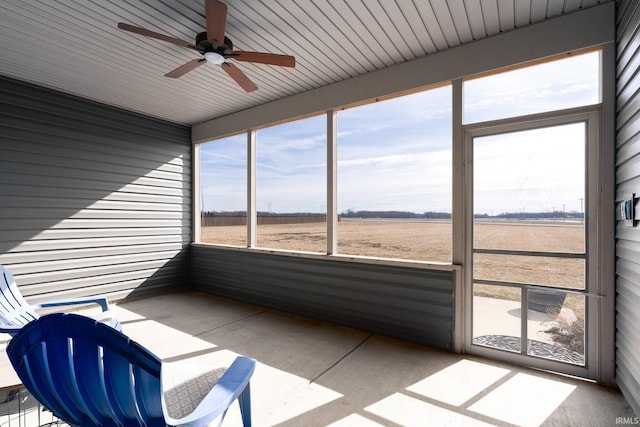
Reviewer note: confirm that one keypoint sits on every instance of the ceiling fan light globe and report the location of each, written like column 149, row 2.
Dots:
column 214, row 58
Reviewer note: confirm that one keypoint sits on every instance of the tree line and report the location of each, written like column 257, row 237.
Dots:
column 350, row 213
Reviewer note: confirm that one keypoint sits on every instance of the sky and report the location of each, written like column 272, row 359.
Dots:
column 517, row 174
column 396, row 154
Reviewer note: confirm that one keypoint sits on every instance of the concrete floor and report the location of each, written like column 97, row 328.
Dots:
column 494, row 316
column 311, row 373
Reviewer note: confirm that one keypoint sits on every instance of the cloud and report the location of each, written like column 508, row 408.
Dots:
column 545, row 87
column 418, row 182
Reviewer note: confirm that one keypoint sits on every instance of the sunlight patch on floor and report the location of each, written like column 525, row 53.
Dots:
column 302, row 400
column 524, row 400
column 459, row 382
column 276, row 395
column 408, row 411
column 155, row 336
column 355, row 420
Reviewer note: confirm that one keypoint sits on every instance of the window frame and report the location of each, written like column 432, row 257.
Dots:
column 331, row 190
column 454, row 73
column 458, row 255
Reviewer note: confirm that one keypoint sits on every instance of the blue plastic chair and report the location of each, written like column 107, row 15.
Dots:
column 15, row 311
column 89, row 374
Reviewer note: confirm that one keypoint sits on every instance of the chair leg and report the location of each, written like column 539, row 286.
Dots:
column 245, row 406
column 220, row 419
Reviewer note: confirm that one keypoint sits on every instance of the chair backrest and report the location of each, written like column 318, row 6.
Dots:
column 87, row 373
column 15, row 312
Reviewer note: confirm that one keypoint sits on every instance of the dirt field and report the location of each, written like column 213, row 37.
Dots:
column 431, row 241
column 387, row 239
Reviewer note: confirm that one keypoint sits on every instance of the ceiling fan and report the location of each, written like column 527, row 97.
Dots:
column 216, row 48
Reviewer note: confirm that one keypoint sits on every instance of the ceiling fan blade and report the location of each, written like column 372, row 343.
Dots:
column 265, row 58
column 216, row 14
column 239, row 77
column 185, row 68
column 148, row 33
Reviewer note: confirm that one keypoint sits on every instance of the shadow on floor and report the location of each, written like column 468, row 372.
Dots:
column 312, row 373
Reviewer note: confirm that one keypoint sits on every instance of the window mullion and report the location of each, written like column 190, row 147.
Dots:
column 252, row 221
column 460, row 242
column 332, row 186
column 197, row 196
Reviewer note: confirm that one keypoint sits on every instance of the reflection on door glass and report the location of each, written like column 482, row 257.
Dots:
column 529, row 190
column 557, row 331
column 496, row 317
column 529, row 236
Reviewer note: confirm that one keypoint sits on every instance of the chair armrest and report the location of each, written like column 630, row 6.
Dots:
column 100, row 300
column 230, row 386
column 12, row 330
column 109, row 318
column 9, row 327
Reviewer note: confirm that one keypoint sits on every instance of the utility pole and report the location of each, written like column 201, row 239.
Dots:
column 581, row 210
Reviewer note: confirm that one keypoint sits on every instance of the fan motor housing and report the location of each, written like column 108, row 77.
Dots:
column 203, row 42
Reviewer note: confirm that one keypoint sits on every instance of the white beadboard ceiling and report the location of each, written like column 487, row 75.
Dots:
column 74, row 45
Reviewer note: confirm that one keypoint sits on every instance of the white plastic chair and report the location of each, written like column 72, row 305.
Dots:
column 16, row 312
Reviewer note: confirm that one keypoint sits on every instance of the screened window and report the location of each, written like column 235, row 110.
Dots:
column 394, row 167
column 394, row 178
column 223, row 191
column 291, row 185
